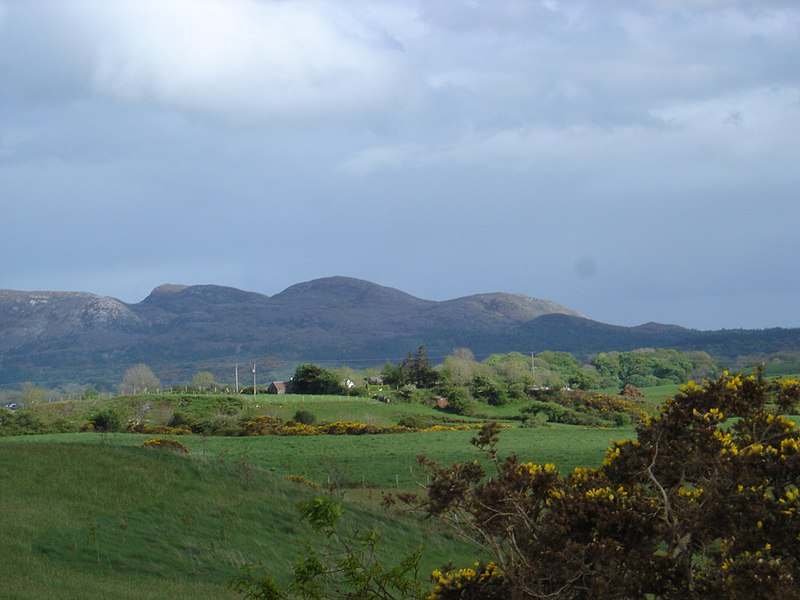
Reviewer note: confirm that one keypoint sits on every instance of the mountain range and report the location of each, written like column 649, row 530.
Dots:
column 54, row 337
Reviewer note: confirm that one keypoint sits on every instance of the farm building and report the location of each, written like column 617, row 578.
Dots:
column 280, row 387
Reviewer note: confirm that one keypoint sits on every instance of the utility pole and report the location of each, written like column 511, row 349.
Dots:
column 254, row 379
column 237, row 378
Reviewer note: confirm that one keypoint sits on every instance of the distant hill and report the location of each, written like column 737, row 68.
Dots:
column 54, row 337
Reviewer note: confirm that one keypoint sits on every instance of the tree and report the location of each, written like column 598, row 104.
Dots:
column 585, row 378
column 203, row 381
column 649, row 366
column 390, row 373
column 607, row 365
column 312, row 379
column 90, row 393
column 487, row 389
column 32, row 395
column 704, row 503
column 460, row 401
column 420, row 372
column 139, row 379
column 460, row 367
column 513, row 368
column 415, row 369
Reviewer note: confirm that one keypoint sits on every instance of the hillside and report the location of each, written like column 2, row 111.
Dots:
column 56, row 337
column 88, row 519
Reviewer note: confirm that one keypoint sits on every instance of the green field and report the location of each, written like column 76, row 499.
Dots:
column 95, row 515
column 373, row 461
column 116, row 521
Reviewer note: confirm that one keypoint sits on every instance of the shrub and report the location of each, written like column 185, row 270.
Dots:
column 460, row 402
column 703, row 504
column 534, row 420
column 158, row 429
column 179, row 419
column 165, row 444
column 492, row 391
column 261, row 425
column 408, row 393
column 482, row 581
column 585, row 408
column 305, row 417
column 417, row 421
column 517, row 391
column 302, row 480
column 21, row 422
column 106, row 420
column 558, row 413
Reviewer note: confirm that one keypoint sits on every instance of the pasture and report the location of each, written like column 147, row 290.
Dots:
column 95, row 515
column 100, row 520
column 368, row 461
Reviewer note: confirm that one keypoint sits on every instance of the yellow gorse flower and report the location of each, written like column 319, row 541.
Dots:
column 534, row 469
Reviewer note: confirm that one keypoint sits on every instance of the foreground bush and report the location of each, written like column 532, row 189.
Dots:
column 704, row 504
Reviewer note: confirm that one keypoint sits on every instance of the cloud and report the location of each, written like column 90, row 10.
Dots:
column 680, row 132
column 524, row 141
column 269, row 59
column 406, row 67
column 235, row 59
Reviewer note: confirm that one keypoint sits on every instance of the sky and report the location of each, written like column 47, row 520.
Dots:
column 634, row 161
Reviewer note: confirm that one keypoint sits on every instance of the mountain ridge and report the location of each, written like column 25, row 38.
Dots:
column 62, row 336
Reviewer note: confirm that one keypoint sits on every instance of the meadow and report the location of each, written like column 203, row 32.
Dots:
column 365, row 461
column 96, row 520
column 96, row 515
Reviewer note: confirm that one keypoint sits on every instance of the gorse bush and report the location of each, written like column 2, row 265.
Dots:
column 479, row 582
column 585, row 408
column 268, row 425
column 165, row 444
column 157, row 429
column 703, row 504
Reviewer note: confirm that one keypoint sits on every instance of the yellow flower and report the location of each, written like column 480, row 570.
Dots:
column 690, row 386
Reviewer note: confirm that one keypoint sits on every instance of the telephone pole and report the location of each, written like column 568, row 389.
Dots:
column 254, row 379
column 237, row 378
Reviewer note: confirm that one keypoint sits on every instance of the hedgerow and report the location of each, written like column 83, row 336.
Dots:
column 269, row 425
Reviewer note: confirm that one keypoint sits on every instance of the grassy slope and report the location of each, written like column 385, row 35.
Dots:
column 100, row 521
column 373, row 460
column 96, row 516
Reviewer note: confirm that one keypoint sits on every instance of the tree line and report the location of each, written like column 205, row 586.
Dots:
column 497, row 379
